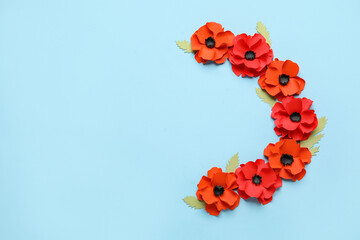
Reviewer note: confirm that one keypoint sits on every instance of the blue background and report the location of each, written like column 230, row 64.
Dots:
column 105, row 125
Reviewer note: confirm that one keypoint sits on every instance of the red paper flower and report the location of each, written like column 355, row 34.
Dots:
column 211, row 43
column 217, row 191
column 294, row 119
column 288, row 159
column 257, row 179
column 281, row 80
column 250, row 55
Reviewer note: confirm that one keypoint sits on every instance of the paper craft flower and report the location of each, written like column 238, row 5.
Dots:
column 281, row 80
column 250, row 55
column 294, row 119
column 217, row 191
column 211, row 43
column 288, row 159
column 257, row 179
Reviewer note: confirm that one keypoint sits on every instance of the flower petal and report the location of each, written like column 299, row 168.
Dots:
column 229, row 197
column 268, row 177
column 249, row 169
column 290, row 68
column 252, row 190
column 212, row 210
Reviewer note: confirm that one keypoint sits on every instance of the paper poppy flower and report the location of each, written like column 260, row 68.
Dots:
column 250, row 55
column 257, row 179
column 281, row 80
column 211, row 43
column 217, row 191
column 293, row 118
column 288, row 159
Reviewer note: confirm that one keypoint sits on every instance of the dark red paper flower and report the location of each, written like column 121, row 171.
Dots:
column 294, row 119
column 288, row 159
column 257, row 179
column 211, row 43
column 281, row 80
column 250, row 55
column 217, row 191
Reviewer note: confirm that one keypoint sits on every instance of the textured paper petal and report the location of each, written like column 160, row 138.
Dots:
column 252, row 190
column 229, row 197
column 268, row 177
column 249, row 170
column 290, row 68
column 212, row 210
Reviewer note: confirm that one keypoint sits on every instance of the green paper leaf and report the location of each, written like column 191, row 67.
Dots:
column 315, row 137
column 194, row 202
column 260, row 28
column 314, row 150
column 184, row 45
column 265, row 97
column 321, row 125
column 233, row 163
column 311, row 141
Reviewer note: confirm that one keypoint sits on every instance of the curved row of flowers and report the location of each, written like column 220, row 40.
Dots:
column 252, row 56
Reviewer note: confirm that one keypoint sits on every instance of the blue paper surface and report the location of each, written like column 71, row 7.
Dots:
column 106, row 125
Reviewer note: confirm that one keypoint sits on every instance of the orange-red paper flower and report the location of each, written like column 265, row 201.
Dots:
column 217, row 191
column 281, row 80
column 211, row 43
column 257, row 179
column 288, row 159
column 250, row 55
column 294, row 119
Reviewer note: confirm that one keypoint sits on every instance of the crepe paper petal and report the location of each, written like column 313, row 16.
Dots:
column 212, row 209
column 217, row 191
column 184, row 45
column 229, row 197
column 281, row 80
column 211, row 43
column 288, row 123
column 204, row 182
column 194, row 202
column 266, row 98
column 260, row 28
column 249, row 170
column 290, row 68
column 262, row 182
column 213, row 171
column 288, row 158
column 233, row 163
column 250, row 55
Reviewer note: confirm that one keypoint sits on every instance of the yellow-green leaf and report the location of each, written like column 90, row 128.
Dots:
column 314, row 150
column 184, row 45
column 265, row 97
column 321, row 125
column 311, row 141
column 260, row 28
column 233, row 163
column 315, row 137
column 194, row 202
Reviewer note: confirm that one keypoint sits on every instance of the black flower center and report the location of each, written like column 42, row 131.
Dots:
column 286, row 159
column 210, row 42
column 295, row 117
column 250, row 55
column 218, row 190
column 283, row 79
column 256, row 179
